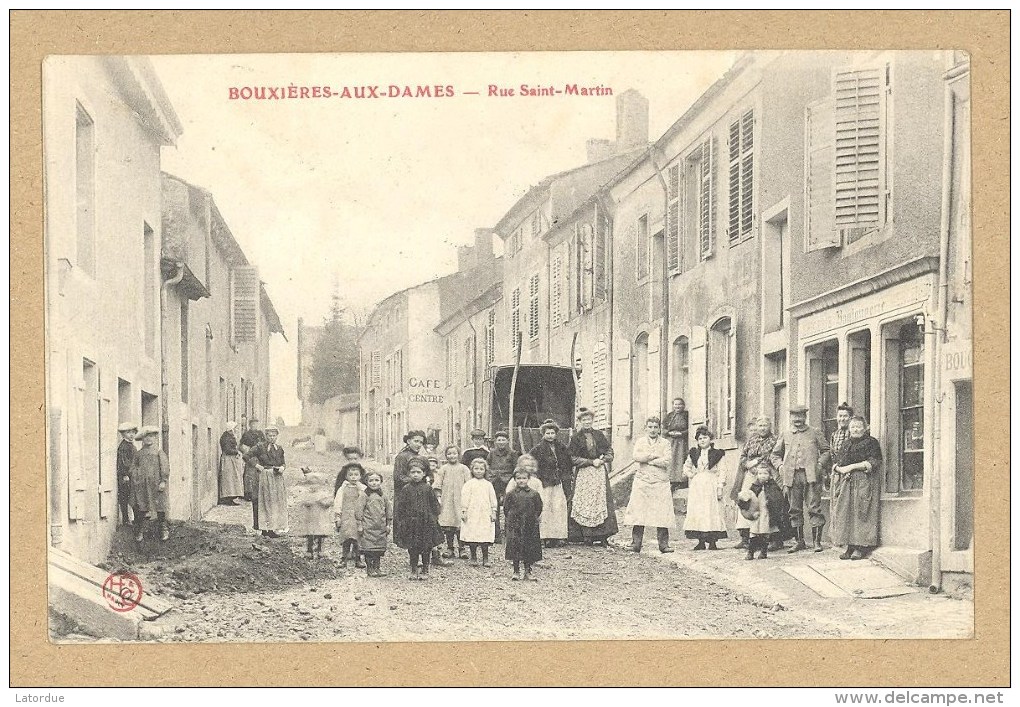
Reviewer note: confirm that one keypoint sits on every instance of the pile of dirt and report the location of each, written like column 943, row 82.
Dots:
column 208, row 557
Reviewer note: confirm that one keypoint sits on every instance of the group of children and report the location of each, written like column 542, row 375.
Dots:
column 451, row 504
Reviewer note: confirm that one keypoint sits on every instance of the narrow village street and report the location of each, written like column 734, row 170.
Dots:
column 227, row 583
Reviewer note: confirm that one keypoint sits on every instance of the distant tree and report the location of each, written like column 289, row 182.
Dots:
column 335, row 359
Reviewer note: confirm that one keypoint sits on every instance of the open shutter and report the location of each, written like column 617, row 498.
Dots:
column 244, row 310
column 600, row 386
column 601, row 236
column 859, row 107
column 747, row 173
column 376, row 369
column 556, row 305
column 673, row 220
column 697, row 398
column 76, row 482
column 734, row 180
column 820, row 228
column 622, row 402
column 587, row 266
column 107, row 458
column 731, row 370
column 707, row 198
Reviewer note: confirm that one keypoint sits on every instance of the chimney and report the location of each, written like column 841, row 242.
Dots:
column 598, row 149
column 631, row 121
column 465, row 258
column 483, row 246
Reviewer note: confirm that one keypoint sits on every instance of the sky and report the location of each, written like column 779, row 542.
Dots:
column 370, row 196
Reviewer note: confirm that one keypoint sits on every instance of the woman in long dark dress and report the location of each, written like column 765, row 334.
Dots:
column 592, row 513
column 856, row 489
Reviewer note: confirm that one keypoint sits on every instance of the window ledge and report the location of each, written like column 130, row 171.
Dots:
column 912, row 496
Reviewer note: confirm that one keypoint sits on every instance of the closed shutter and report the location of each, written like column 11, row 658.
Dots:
column 859, row 109
column 622, row 393
column 376, row 369
column 673, row 220
column 697, row 398
column 820, row 230
column 244, row 310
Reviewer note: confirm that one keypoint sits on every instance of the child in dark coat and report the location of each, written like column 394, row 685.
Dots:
column 523, row 508
column 373, row 514
column 417, row 528
column 765, row 507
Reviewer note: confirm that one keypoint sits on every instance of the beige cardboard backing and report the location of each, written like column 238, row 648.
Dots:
column 981, row 661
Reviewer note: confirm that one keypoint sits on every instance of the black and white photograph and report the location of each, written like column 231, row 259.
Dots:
column 531, row 346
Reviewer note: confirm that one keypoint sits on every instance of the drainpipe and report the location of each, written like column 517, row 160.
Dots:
column 939, row 336
column 164, row 388
column 664, row 335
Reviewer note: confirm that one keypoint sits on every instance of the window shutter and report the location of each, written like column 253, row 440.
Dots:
column 515, row 317
column 76, row 485
column 859, row 106
column 244, row 291
column 601, row 229
column 734, row 214
column 555, row 307
column 731, row 368
column 587, row 266
column 706, row 198
column 820, row 229
column 673, row 220
column 747, row 173
column 622, row 403
column 533, row 307
column 600, row 386
column 698, row 400
column 376, row 368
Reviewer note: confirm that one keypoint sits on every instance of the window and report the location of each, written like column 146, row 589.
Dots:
column 639, row 381
column 533, row 308
column 556, row 305
column 490, row 338
column 184, row 350
column 776, row 368
column 703, row 160
column 823, row 386
column 149, row 270
column 85, row 189
column 741, row 144
column 847, row 182
column 376, row 369
column 515, row 318
column 722, row 376
column 681, row 366
column 641, row 247
column 674, row 253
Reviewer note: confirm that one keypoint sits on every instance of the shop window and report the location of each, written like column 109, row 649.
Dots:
column 823, row 386
column 903, row 375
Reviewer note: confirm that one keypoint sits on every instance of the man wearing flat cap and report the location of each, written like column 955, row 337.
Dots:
column 477, row 450
column 802, row 458
column 125, row 458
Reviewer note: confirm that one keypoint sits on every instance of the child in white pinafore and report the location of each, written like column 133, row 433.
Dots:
column 478, row 507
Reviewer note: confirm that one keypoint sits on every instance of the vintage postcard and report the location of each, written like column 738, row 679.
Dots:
column 509, row 346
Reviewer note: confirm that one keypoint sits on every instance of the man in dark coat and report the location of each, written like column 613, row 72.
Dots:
column 126, row 451
column 251, row 439
column 802, row 458
column 502, row 462
column 593, row 513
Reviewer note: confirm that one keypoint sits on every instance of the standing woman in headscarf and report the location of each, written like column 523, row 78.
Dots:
column 856, row 488
column 592, row 512
column 675, row 427
column 758, row 447
column 231, row 481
